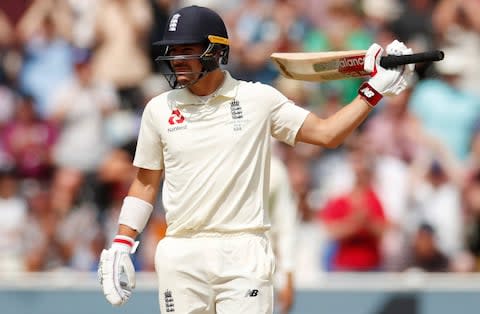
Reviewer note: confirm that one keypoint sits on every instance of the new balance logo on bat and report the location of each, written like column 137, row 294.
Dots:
column 352, row 62
column 352, row 66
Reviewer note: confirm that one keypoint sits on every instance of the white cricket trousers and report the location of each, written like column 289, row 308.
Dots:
column 221, row 274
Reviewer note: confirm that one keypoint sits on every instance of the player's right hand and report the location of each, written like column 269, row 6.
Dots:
column 388, row 81
column 116, row 272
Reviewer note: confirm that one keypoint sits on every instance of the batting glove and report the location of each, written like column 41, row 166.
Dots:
column 387, row 82
column 116, row 272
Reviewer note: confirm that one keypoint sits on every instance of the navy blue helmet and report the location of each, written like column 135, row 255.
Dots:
column 194, row 25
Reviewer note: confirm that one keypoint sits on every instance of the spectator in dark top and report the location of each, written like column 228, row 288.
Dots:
column 426, row 255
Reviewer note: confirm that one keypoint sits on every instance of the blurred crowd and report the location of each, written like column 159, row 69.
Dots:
column 402, row 194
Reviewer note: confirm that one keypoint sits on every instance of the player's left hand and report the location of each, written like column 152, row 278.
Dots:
column 116, row 273
column 388, row 81
column 286, row 296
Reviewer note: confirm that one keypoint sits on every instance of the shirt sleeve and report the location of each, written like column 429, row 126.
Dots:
column 286, row 118
column 149, row 151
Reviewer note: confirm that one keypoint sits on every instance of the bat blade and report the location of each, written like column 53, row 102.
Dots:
column 337, row 65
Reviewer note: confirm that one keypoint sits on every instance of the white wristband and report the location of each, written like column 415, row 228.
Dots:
column 135, row 213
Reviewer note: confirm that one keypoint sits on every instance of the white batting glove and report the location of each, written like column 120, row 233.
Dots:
column 116, row 272
column 388, row 81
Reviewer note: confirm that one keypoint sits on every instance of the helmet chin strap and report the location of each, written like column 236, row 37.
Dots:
column 173, row 82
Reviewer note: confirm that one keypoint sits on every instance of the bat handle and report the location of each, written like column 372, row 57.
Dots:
column 427, row 56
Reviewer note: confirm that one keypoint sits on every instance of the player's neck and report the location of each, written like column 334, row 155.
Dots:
column 208, row 84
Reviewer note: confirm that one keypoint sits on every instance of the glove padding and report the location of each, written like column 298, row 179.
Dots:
column 116, row 274
column 388, row 81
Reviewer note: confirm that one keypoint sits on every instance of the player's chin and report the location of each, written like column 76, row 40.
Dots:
column 187, row 78
column 182, row 80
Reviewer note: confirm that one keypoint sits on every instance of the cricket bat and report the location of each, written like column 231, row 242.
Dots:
column 338, row 65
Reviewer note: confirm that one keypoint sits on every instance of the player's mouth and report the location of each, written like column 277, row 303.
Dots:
column 182, row 69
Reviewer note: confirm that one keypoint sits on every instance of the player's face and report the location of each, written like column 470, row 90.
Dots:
column 186, row 69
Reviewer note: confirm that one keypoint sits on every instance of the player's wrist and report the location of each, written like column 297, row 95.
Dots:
column 124, row 244
column 135, row 213
column 370, row 94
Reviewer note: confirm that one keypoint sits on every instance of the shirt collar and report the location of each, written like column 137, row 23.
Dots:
column 228, row 90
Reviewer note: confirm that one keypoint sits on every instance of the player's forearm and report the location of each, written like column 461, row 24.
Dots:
column 145, row 185
column 347, row 119
column 332, row 132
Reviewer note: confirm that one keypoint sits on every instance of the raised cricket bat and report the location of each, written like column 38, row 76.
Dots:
column 338, row 65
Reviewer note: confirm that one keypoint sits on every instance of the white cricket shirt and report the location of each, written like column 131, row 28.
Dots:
column 216, row 155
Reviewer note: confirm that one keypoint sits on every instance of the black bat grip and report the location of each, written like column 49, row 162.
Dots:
column 427, row 56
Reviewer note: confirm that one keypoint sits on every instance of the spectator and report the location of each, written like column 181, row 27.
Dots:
column 414, row 24
column 426, row 255
column 259, row 29
column 472, row 220
column 79, row 110
column 121, row 35
column 13, row 209
column 355, row 220
column 43, row 250
column 29, row 140
column 392, row 135
column 392, row 130
column 75, row 213
column 7, row 105
column 472, row 162
column 6, row 42
column 115, row 172
column 346, row 31
column 82, row 15
column 457, row 26
column 436, row 200
column 445, row 111
column 47, row 51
